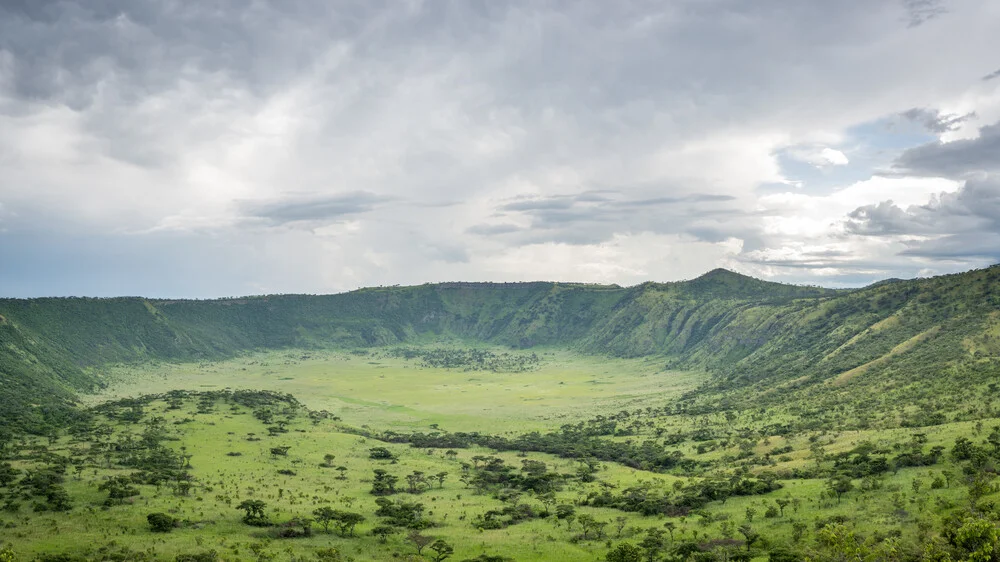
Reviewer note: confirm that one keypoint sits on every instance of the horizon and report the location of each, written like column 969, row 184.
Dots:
column 171, row 149
column 453, row 282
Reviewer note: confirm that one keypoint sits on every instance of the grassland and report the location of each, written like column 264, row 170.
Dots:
column 352, row 398
column 228, row 468
column 718, row 419
column 386, row 392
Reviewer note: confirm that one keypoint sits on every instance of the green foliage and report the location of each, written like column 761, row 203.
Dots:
column 752, row 334
column 625, row 552
column 161, row 522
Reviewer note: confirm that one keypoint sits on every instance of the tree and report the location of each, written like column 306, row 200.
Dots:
column 798, row 531
column 419, row 541
column 325, row 515
column 782, row 504
column 342, row 473
column 565, row 511
column 977, row 539
column 588, row 523
column 381, row 453
column 254, row 513
column 416, row 482
column 652, row 543
column 441, row 550
column 440, row 477
column 624, row 552
column 383, row 532
column 328, row 460
column 749, row 534
column 839, row 485
column 8, row 474
column 118, row 488
column 279, row 451
column 384, row 484
column 670, row 526
column 161, row 522
column 347, row 521
column 620, row 523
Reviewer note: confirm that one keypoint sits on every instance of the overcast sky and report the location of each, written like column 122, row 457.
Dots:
column 215, row 148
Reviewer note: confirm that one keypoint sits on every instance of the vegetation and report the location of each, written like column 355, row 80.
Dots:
column 723, row 418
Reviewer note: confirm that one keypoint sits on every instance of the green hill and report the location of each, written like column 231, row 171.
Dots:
column 771, row 339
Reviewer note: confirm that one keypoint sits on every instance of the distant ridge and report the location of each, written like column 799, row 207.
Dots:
column 744, row 330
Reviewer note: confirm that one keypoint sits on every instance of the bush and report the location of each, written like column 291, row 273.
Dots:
column 161, row 522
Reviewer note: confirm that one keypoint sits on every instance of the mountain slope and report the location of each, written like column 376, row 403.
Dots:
column 749, row 333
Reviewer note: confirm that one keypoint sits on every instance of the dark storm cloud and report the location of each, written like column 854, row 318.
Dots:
column 313, row 209
column 935, row 121
column 956, row 159
column 992, row 75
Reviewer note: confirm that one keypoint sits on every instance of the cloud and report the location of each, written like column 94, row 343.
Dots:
column 312, row 209
column 920, row 12
column 935, row 121
column 955, row 159
column 992, row 75
column 322, row 146
column 973, row 209
column 820, row 157
column 589, row 219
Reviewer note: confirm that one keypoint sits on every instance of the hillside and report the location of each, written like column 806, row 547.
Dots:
column 750, row 334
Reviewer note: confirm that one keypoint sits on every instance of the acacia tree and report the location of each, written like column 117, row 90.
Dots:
column 383, row 532
column 839, row 485
column 782, row 504
column 749, row 534
column 254, row 513
column 325, row 515
column 441, row 550
column 419, row 541
column 347, row 521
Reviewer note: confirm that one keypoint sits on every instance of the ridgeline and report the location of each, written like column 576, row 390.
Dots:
column 777, row 340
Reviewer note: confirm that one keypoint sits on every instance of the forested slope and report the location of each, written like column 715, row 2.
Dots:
column 750, row 333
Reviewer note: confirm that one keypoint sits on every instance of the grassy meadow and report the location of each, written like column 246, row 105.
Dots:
column 387, row 392
column 224, row 453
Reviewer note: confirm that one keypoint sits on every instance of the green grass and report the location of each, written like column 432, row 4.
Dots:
column 223, row 481
column 392, row 393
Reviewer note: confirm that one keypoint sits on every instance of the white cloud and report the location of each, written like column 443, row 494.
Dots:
column 820, row 157
column 194, row 128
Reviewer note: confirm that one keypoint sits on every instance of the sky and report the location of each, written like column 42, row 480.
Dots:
column 200, row 149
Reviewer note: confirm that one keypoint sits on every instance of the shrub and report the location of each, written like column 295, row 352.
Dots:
column 161, row 522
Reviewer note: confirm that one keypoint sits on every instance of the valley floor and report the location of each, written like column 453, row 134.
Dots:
column 721, row 484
